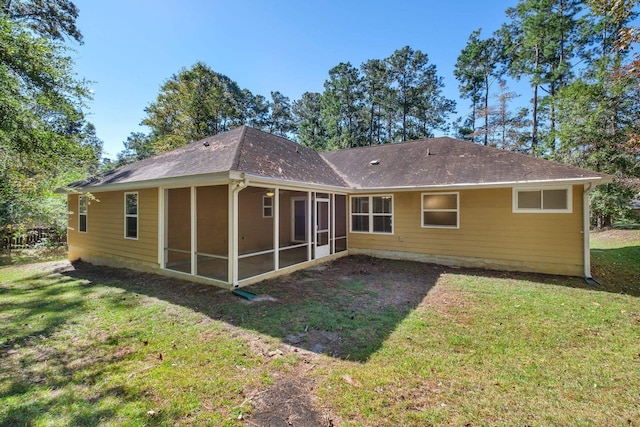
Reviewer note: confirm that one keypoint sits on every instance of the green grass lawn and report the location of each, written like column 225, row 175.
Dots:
column 362, row 342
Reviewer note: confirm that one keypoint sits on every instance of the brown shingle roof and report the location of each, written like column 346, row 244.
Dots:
column 441, row 162
column 425, row 163
column 242, row 149
column 269, row 155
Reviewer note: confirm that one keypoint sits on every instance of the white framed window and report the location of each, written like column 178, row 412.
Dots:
column 267, row 206
column 542, row 200
column 441, row 210
column 131, row 215
column 372, row 214
column 82, row 214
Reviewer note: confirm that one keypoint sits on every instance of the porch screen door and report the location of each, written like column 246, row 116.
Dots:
column 322, row 228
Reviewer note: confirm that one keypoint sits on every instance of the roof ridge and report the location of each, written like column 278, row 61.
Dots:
column 388, row 144
column 239, row 146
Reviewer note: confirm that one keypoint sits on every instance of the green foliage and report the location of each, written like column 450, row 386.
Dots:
column 138, row 146
column 584, row 108
column 198, row 102
column 45, row 141
column 307, row 115
column 386, row 100
column 341, row 107
column 51, row 19
column 476, row 69
column 281, row 120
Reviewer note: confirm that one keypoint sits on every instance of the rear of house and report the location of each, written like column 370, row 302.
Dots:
column 244, row 205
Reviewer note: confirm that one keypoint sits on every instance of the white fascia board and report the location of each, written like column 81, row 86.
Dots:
column 284, row 184
column 472, row 186
column 173, row 182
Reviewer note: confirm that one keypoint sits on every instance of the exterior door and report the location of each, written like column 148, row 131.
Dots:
column 322, row 228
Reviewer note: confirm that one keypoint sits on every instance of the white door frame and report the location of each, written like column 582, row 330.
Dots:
column 322, row 251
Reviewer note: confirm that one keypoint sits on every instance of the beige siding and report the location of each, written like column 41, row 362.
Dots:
column 105, row 229
column 490, row 234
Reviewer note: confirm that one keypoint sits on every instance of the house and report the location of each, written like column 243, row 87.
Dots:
column 245, row 205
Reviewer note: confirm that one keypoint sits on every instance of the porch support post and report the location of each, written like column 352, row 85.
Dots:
column 310, row 230
column 162, row 231
column 585, row 231
column 276, row 229
column 332, row 232
column 194, row 232
column 235, row 186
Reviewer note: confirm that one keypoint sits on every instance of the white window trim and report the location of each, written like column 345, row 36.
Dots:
column 370, row 214
column 136, row 216
column 85, row 213
column 264, row 206
column 514, row 199
column 456, row 210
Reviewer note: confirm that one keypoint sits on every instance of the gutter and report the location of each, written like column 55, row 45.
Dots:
column 585, row 235
column 471, row 186
column 239, row 182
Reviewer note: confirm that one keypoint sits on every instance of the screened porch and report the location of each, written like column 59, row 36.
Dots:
column 233, row 233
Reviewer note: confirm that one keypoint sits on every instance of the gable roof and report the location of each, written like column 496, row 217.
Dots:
column 242, row 149
column 435, row 162
column 445, row 161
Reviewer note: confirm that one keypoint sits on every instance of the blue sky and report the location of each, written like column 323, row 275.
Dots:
column 131, row 47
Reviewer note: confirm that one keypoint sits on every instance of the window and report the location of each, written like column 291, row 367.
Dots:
column 372, row 214
column 131, row 215
column 82, row 214
column 267, row 206
column 440, row 210
column 535, row 200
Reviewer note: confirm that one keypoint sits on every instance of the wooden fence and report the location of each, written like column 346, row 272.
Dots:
column 38, row 236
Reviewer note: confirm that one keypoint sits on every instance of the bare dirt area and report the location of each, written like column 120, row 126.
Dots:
column 617, row 235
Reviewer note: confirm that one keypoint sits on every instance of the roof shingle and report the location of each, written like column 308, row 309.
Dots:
column 425, row 163
column 444, row 161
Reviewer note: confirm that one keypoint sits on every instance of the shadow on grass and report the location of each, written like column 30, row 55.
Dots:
column 43, row 377
column 617, row 269
column 345, row 309
column 31, row 255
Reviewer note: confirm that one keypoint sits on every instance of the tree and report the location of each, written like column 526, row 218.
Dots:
column 51, row 19
column 44, row 139
column 376, row 83
column 599, row 116
column 138, row 146
column 193, row 104
column 307, row 113
column 342, row 107
column 476, row 68
column 281, row 120
column 540, row 40
column 256, row 110
column 508, row 128
column 417, row 94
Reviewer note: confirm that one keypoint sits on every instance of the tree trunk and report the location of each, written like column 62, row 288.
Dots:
column 534, row 114
column 486, row 109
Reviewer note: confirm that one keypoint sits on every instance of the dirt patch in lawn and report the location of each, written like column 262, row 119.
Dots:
column 617, row 236
column 289, row 402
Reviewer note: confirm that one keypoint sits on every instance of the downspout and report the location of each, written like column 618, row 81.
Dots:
column 585, row 231
column 236, row 186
